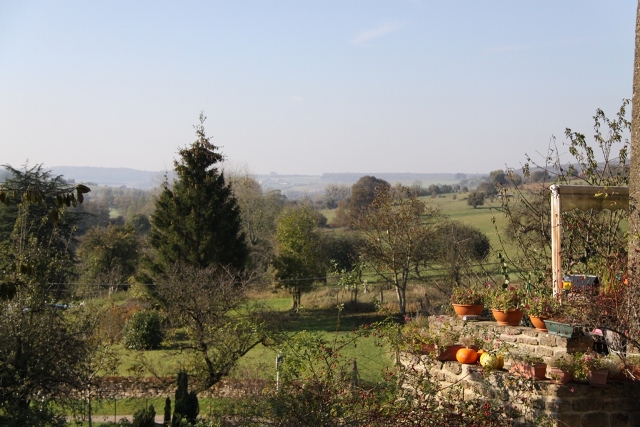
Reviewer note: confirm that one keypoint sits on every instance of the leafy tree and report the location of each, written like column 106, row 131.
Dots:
column 396, row 228
column 475, row 199
column 362, row 194
column 299, row 262
column 143, row 331
column 343, row 249
column 197, row 220
column 140, row 223
column 488, row 188
column 36, row 363
column 459, row 246
column 258, row 212
column 498, row 177
column 209, row 306
column 34, row 213
column 334, row 194
column 109, row 254
column 364, row 191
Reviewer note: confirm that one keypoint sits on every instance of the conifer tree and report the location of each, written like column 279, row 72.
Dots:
column 197, row 219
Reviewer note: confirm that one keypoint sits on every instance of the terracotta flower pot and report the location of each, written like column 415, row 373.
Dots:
column 559, row 376
column 598, row 377
column 537, row 370
column 427, row 348
column 449, row 352
column 538, row 323
column 509, row 318
column 467, row 309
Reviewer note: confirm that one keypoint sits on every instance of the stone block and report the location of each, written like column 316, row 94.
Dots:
column 614, row 391
column 511, row 330
column 544, row 351
column 622, row 405
column 556, row 406
column 600, row 419
column 530, row 332
column 570, row 419
column 453, row 367
column 508, row 338
column 527, row 340
column 573, row 390
column 526, row 348
column 634, row 418
column 548, row 340
column 584, row 404
column 619, row 419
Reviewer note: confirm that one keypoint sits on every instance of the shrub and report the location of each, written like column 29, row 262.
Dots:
column 143, row 331
column 144, row 417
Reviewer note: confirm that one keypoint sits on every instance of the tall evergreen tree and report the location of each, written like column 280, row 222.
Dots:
column 197, row 219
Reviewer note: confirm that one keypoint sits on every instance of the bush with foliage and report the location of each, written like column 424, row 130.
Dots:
column 143, row 330
column 186, row 407
column 144, row 417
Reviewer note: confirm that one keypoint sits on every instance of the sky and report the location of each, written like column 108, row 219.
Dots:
column 308, row 86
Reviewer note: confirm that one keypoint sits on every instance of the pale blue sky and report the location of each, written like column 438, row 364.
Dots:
column 308, row 86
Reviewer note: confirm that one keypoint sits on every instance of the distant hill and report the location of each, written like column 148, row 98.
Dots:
column 111, row 177
column 291, row 185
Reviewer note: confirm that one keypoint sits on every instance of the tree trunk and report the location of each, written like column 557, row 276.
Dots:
column 402, row 299
column 634, row 173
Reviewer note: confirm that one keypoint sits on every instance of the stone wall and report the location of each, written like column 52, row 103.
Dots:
column 571, row 405
column 134, row 387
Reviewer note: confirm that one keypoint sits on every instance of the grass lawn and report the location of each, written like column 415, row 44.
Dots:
column 372, row 357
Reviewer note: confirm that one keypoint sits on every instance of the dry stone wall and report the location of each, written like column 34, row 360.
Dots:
column 571, row 405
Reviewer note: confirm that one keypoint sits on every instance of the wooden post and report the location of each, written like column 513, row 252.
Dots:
column 556, row 236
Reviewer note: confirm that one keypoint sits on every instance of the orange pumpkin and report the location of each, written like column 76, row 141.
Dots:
column 467, row 356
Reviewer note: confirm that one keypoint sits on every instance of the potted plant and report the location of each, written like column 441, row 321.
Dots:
column 506, row 304
column 589, row 368
column 561, row 368
column 418, row 338
column 563, row 324
column 468, row 300
column 613, row 364
column 446, row 342
column 528, row 366
column 541, row 306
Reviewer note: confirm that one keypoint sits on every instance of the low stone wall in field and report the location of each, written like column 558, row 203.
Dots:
column 134, row 387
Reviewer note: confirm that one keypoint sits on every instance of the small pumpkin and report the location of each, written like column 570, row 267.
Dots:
column 489, row 361
column 467, row 356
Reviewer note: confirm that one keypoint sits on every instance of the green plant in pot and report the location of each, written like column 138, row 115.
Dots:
column 417, row 337
column 506, row 304
column 468, row 300
column 540, row 306
column 528, row 365
column 561, row 369
column 446, row 338
column 590, row 366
